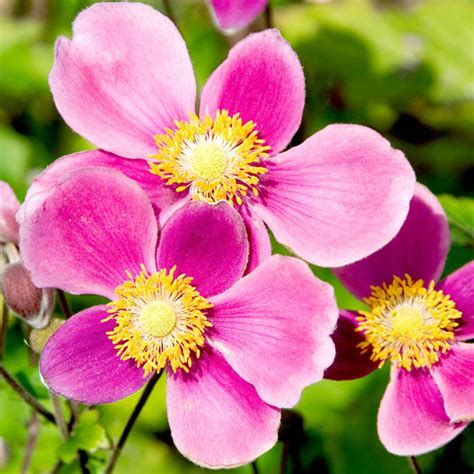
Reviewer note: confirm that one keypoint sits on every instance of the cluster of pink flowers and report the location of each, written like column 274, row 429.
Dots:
column 168, row 219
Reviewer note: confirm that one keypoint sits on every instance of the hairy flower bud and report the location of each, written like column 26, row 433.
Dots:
column 33, row 305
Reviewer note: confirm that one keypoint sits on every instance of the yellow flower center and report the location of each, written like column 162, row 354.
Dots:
column 408, row 323
column 208, row 161
column 157, row 318
column 216, row 159
column 160, row 319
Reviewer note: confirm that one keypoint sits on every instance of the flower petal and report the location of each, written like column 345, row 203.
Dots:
column 206, row 242
column 411, row 419
column 460, row 286
column 80, row 362
column 273, row 327
column 161, row 196
column 454, row 375
column 236, row 14
column 349, row 363
column 419, row 249
column 217, row 419
column 339, row 196
column 93, row 227
column 124, row 77
column 260, row 246
column 9, row 205
column 263, row 81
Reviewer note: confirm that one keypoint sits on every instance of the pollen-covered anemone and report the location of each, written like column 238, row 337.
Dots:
column 182, row 300
column 421, row 326
column 125, row 82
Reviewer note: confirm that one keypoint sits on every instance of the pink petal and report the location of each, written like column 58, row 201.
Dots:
column 274, row 326
column 419, row 249
column 206, row 242
column 411, row 419
column 339, row 196
column 349, row 363
column 124, row 77
column 9, row 205
column 260, row 246
column 217, row 419
column 454, row 375
column 262, row 79
column 162, row 197
column 460, row 286
column 94, row 226
column 236, row 14
column 79, row 361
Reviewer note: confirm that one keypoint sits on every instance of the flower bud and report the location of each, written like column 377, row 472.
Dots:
column 33, row 305
column 39, row 337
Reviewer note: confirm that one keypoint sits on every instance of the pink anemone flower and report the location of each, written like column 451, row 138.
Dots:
column 9, row 206
column 126, row 83
column 232, row 15
column 231, row 345
column 420, row 324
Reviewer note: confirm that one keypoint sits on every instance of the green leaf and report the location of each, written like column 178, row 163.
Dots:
column 460, row 212
column 88, row 435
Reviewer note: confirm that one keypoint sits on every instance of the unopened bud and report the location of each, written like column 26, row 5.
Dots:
column 33, row 305
column 39, row 337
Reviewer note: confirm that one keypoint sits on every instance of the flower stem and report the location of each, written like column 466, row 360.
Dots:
column 26, row 396
column 3, row 328
column 268, row 16
column 414, row 465
column 33, row 431
column 64, row 304
column 58, row 416
column 131, row 421
column 169, row 11
column 254, row 467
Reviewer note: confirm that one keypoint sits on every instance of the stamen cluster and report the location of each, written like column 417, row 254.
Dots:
column 154, row 343
column 408, row 323
column 216, row 159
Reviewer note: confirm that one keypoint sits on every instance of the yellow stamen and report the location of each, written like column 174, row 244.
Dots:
column 217, row 160
column 408, row 323
column 160, row 319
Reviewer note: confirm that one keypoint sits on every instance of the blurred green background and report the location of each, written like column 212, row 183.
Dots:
column 403, row 67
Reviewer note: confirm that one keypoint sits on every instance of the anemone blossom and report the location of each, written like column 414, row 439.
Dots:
column 179, row 301
column 420, row 324
column 125, row 82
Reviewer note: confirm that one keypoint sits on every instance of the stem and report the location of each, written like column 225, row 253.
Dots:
column 3, row 328
column 169, row 11
column 254, row 467
column 26, row 396
column 64, row 304
column 33, row 431
column 59, row 417
column 414, row 465
column 268, row 16
column 284, row 458
column 131, row 421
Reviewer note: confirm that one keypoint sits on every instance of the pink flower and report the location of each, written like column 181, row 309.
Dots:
column 125, row 82
column 420, row 325
column 9, row 206
column 232, row 348
column 234, row 15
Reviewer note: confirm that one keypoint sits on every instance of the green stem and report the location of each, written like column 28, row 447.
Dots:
column 254, row 467
column 26, row 396
column 131, row 421
column 414, row 465
column 64, row 304
column 268, row 16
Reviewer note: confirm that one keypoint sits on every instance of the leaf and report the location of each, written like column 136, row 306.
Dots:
column 88, row 435
column 460, row 212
